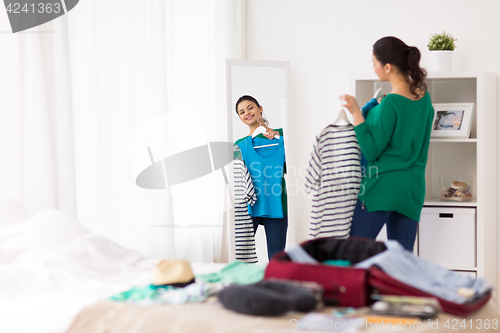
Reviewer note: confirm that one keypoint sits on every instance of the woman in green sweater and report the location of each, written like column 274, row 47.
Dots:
column 394, row 138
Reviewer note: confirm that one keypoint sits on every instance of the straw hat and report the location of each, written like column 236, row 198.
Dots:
column 173, row 272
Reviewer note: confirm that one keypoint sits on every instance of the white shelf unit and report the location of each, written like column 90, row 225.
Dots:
column 476, row 156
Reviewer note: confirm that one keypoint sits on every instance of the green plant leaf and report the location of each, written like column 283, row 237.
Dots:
column 442, row 41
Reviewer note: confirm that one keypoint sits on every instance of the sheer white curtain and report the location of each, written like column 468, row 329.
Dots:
column 151, row 74
column 36, row 135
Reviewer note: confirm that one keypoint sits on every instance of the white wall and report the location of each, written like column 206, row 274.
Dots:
column 326, row 40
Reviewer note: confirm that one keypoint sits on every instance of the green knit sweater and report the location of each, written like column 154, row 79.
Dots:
column 395, row 141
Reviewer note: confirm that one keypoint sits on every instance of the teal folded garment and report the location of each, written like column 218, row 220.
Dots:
column 337, row 262
column 194, row 292
column 138, row 294
column 235, row 272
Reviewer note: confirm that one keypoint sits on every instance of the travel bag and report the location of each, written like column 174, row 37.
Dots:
column 384, row 284
column 343, row 286
column 348, row 286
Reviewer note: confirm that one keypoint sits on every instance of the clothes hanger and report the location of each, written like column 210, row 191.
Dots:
column 272, row 144
column 261, row 130
column 379, row 94
column 342, row 117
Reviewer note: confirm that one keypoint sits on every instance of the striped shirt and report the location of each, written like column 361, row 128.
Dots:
column 244, row 193
column 333, row 176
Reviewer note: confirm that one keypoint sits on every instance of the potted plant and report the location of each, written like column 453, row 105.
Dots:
column 441, row 47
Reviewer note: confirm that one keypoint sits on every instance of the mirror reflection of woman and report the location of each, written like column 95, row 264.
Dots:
column 394, row 138
column 267, row 167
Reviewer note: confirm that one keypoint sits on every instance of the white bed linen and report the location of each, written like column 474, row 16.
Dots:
column 51, row 267
column 11, row 212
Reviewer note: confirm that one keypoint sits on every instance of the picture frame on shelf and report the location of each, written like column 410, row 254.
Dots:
column 452, row 120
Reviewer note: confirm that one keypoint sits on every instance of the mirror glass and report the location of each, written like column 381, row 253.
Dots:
column 268, row 83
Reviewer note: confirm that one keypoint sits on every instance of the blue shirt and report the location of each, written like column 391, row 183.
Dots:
column 266, row 169
column 405, row 267
column 365, row 109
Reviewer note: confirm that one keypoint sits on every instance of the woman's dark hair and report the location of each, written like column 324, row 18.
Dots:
column 251, row 99
column 246, row 98
column 392, row 50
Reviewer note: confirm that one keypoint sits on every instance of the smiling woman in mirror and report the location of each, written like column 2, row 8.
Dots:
column 263, row 154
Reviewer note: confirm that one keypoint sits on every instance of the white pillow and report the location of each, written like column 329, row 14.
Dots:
column 95, row 257
column 11, row 212
column 38, row 237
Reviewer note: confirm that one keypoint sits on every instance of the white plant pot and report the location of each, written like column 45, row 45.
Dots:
column 441, row 60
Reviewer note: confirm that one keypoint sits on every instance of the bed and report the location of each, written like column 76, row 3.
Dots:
column 110, row 317
column 51, row 267
column 56, row 276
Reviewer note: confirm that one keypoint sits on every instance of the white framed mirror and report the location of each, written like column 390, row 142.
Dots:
column 269, row 83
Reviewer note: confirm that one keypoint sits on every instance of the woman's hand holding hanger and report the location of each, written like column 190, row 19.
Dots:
column 349, row 102
column 270, row 133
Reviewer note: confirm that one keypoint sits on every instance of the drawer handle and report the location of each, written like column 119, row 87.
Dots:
column 446, row 215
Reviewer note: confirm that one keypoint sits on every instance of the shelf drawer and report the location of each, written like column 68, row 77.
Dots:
column 447, row 236
column 468, row 273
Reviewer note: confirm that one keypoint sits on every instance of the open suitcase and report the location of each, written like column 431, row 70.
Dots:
column 347, row 286
column 386, row 285
column 343, row 286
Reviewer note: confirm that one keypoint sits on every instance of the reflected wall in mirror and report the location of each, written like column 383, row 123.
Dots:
column 267, row 84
